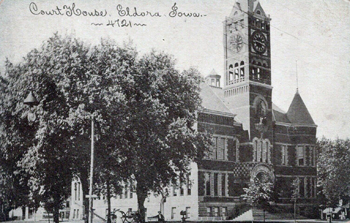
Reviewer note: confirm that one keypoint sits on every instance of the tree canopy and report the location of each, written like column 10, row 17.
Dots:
column 258, row 193
column 333, row 169
column 144, row 110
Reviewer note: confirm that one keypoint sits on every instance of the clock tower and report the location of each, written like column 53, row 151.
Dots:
column 247, row 82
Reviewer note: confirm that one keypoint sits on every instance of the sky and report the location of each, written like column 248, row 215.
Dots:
column 310, row 42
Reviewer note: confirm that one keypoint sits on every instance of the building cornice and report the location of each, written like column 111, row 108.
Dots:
column 213, row 112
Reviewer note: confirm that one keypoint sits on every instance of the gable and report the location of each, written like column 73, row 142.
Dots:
column 258, row 10
column 237, row 10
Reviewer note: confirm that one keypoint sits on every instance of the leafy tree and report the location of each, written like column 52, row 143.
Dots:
column 57, row 73
column 159, row 141
column 144, row 110
column 333, row 169
column 14, row 190
column 259, row 193
column 147, row 131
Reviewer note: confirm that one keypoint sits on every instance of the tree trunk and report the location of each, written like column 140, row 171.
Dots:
column 85, row 187
column 108, row 200
column 23, row 212
column 141, row 197
column 56, row 213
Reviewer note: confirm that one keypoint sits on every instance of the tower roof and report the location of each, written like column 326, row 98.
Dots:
column 298, row 113
column 247, row 6
column 214, row 74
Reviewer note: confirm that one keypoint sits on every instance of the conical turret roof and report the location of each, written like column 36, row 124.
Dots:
column 213, row 74
column 298, row 113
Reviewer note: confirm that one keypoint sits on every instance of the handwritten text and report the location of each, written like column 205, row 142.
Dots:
column 135, row 13
column 175, row 13
column 66, row 10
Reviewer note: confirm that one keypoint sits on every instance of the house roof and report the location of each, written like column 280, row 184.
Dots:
column 298, row 113
column 212, row 102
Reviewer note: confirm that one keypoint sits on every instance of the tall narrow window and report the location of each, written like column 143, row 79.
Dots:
column 223, row 185
column 213, row 154
column 230, row 72
column 216, row 180
column 75, row 191
column 220, row 148
column 242, row 70
column 314, row 180
column 264, row 152
column 189, row 184
column 258, row 151
column 236, row 71
column 284, row 155
column 79, row 191
column 301, row 187
column 207, row 184
column 253, row 74
column 300, row 156
column 131, row 188
column 312, row 156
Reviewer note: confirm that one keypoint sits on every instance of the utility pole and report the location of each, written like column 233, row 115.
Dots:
column 91, row 171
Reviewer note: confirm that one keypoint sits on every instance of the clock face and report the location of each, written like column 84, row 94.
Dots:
column 236, row 42
column 259, row 42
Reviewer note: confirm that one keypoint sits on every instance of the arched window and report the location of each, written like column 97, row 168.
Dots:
column 258, row 151
column 75, row 192
column 242, row 69
column 236, row 71
column 78, row 191
column 253, row 73
column 230, row 71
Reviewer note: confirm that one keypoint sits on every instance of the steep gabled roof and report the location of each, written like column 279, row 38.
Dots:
column 212, row 102
column 298, row 113
column 257, row 7
column 279, row 115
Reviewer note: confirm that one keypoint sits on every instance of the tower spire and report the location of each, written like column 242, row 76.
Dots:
column 296, row 74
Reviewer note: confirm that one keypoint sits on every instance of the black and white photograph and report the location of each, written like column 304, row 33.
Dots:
column 130, row 111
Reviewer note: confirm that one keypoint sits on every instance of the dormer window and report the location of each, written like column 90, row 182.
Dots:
column 258, row 12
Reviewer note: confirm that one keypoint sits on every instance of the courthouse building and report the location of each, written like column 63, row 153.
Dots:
column 253, row 138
